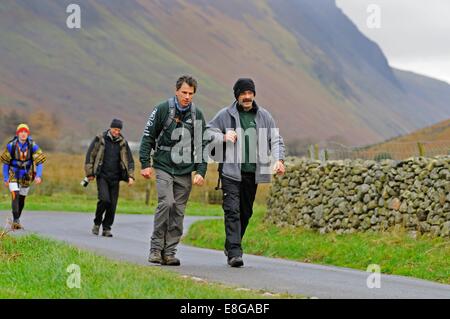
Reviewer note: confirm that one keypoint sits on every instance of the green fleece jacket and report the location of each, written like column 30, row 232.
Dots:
column 162, row 159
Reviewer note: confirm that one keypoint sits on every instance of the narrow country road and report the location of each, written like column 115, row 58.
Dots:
column 131, row 243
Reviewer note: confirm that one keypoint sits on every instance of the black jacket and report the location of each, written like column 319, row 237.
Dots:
column 96, row 153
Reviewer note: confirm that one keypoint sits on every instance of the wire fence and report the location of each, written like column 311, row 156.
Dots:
column 395, row 151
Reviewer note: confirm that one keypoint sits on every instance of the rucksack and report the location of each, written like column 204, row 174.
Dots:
column 14, row 142
column 170, row 119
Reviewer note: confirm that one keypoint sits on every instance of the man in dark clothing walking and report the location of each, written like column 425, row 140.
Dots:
column 173, row 176
column 251, row 137
column 109, row 160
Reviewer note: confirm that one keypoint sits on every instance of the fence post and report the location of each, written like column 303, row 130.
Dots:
column 421, row 149
column 316, row 151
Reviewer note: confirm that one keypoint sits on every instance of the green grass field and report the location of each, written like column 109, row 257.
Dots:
column 396, row 253
column 87, row 203
column 33, row 267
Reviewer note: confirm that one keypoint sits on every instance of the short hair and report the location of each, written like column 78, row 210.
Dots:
column 189, row 80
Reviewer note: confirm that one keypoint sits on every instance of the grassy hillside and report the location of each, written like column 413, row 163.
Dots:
column 433, row 140
column 313, row 68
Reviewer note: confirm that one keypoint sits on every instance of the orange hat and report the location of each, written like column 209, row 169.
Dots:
column 21, row 128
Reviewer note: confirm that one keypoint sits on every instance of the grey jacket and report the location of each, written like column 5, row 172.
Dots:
column 271, row 149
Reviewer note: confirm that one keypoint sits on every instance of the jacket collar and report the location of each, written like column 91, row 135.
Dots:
column 108, row 134
column 27, row 141
column 179, row 108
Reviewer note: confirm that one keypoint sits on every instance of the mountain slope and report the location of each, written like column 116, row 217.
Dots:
column 321, row 78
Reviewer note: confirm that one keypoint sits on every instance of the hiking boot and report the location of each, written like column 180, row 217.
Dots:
column 171, row 261
column 16, row 225
column 236, row 261
column 107, row 233
column 155, row 257
column 96, row 230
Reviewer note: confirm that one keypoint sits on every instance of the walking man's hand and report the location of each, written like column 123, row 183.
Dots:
column 147, row 173
column 7, row 184
column 199, row 180
column 279, row 168
column 231, row 136
column 130, row 181
column 38, row 180
column 91, row 178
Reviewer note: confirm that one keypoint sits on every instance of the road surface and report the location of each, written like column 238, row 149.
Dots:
column 131, row 243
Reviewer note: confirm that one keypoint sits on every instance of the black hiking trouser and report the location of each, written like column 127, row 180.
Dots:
column 108, row 194
column 238, row 199
column 18, row 203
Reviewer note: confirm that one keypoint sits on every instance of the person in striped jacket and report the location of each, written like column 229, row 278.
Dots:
column 23, row 163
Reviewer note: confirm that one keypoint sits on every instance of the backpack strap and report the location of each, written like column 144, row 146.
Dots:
column 13, row 147
column 167, row 124
column 30, row 154
column 14, row 155
column 31, row 146
column 170, row 119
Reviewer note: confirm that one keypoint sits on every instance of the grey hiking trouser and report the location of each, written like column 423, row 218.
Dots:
column 173, row 194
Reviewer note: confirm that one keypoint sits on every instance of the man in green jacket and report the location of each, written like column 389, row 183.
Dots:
column 175, row 128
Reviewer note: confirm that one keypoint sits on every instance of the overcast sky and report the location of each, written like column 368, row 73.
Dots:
column 414, row 34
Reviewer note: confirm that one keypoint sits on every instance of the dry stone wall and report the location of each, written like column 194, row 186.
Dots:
column 358, row 196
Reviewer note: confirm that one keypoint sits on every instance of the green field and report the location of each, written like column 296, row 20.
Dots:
column 33, row 267
column 87, row 203
column 396, row 253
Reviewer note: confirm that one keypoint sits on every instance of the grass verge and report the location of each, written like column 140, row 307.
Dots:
column 396, row 253
column 34, row 267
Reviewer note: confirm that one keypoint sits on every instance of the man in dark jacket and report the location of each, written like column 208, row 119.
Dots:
column 177, row 117
column 251, row 141
column 109, row 160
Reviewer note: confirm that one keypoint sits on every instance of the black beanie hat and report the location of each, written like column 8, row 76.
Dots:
column 116, row 124
column 242, row 85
